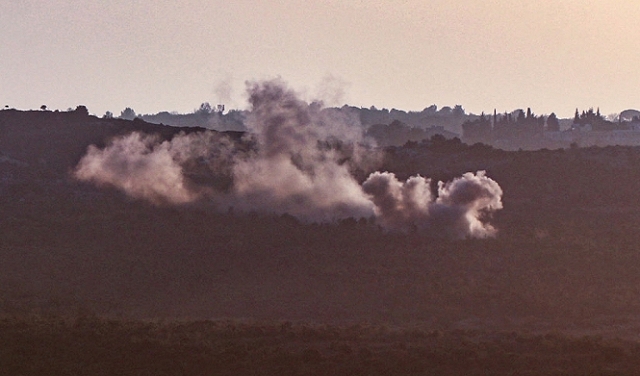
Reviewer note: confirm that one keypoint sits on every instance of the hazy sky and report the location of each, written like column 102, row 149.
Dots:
column 155, row 55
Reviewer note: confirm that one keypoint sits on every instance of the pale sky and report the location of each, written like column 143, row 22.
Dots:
column 159, row 55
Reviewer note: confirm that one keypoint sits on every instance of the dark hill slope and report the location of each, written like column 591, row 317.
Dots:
column 550, row 181
column 59, row 139
column 566, row 255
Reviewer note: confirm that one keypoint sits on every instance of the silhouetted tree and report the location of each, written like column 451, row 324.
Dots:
column 478, row 130
column 43, row 107
column 205, row 109
column 596, row 121
column 81, row 111
column 553, row 124
column 457, row 110
column 446, row 110
column 430, row 110
column 541, row 121
column 128, row 114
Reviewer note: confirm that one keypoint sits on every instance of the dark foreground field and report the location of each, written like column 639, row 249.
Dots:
column 90, row 346
column 93, row 282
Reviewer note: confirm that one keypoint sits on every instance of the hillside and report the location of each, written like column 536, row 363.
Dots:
column 565, row 258
column 565, row 252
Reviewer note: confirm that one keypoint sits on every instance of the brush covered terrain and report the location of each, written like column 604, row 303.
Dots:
column 94, row 282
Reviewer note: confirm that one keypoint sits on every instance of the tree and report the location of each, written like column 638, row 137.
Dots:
column 205, row 109
column 541, row 120
column 458, row 110
column 553, row 124
column 479, row 130
column 108, row 115
column 446, row 111
column 43, row 107
column 128, row 114
column 81, row 110
column 430, row 110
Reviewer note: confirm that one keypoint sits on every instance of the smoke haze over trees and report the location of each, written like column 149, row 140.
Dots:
column 514, row 130
column 303, row 163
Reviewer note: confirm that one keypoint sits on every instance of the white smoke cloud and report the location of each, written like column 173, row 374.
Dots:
column 138, row 165
column 399, row 204
column 459, row 210
column 301, row 163
column 291, row 172
column 463, row 202
column 144, row 167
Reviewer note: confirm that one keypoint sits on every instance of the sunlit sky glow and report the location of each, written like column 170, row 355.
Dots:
column 550, row 55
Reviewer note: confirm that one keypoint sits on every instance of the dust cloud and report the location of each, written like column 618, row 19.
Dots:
column 302, row 161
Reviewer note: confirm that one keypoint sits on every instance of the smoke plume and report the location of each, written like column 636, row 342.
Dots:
column 295, row 170
column 302, row 161
column 144, row 167
column 458, row 211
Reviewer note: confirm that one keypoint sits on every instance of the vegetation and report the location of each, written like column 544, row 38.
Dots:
column 94, row 282
column 388, row 127
column 512, row 131
column 90, row 346
column 513, row 127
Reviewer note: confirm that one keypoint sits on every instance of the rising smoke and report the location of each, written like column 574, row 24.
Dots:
column 457, row 211
column 144, row 167
column 302, row 163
